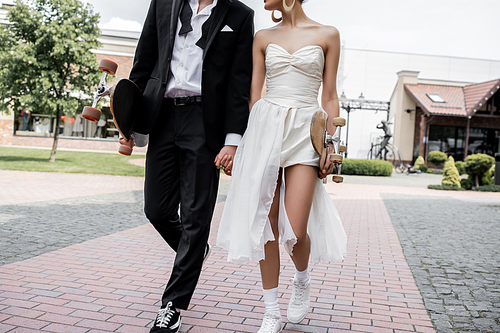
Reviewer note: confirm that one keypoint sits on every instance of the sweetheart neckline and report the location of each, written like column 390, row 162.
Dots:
column 302, row 48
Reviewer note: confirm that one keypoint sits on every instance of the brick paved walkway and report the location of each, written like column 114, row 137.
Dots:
column 113, row 283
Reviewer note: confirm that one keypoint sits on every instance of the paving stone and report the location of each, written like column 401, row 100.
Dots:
column 454, row 245
column 72, row 221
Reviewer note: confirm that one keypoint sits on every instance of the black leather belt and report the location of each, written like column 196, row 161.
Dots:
column 186, row 100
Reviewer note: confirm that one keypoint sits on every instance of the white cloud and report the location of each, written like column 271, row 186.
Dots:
column 117, row 23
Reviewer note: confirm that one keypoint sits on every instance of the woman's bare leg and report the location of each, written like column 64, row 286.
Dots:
column 270, row 267
column 300, row 181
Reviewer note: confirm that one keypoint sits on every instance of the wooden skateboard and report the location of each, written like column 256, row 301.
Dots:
column 328, row 145
column 125, row 101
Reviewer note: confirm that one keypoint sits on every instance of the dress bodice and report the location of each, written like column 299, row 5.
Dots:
column 294, row 79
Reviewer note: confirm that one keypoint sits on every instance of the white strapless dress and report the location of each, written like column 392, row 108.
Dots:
column 277, row 137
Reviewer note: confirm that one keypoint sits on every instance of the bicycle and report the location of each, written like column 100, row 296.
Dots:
column 388, row 152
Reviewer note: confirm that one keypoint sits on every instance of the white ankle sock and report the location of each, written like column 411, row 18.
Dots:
column 302, row 276
column 271, row 300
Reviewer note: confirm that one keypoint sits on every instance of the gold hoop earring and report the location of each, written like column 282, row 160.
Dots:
column 288, row 8
column 275, row 20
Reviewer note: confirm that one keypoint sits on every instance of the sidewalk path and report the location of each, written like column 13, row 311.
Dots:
column 111, row 282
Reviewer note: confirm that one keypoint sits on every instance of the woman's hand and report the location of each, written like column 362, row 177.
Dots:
column 327, row 168
column 225, row 159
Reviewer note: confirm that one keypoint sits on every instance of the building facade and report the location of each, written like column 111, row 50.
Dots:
column 456, row 118
column 374, row 74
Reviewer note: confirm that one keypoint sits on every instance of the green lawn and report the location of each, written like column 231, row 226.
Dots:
column 26, row 159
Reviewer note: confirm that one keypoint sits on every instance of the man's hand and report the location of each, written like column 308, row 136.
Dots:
column 124, row 142
column 225, row 159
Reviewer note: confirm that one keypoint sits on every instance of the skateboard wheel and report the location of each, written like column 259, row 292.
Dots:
column 338, row 179
column 108, row 66
column 91, row 114
column 336, row 158
column 125, row 150
column 338, row 121
column 342, row 149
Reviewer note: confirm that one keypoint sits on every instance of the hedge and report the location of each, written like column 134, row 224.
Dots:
column 487, row 188
column 466, row 183
column 366, row 167
column 445, row 187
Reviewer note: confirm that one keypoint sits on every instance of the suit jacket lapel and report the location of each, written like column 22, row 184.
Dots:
column 218, row 13
column 174, row 18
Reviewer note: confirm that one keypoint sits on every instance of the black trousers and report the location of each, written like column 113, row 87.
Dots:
column 180, row 171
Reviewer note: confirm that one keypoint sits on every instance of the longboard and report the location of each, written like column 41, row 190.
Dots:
column 125, row 103
column 327, row 145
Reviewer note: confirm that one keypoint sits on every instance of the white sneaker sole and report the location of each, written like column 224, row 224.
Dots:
column 296, row 321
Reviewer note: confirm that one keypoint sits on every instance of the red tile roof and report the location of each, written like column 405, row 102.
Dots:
column 454, row 97
column 477, row 94
column 459, row 101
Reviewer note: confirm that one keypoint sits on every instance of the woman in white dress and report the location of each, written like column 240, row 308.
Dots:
column 276, row 193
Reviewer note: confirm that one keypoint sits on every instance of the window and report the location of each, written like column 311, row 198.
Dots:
column 436, row 98
column 448, row 139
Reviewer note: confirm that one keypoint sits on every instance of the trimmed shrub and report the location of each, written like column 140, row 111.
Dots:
column 460, row 167
column 476, row 166
column 437, row 158
column 445, row 188
column 418, row 163
column 450, row 174
column 487, row 178
column 488, row 188
column 466, row 184
column 366, row 167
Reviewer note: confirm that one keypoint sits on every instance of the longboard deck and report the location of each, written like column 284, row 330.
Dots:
column 318, row 134
column 125, row 101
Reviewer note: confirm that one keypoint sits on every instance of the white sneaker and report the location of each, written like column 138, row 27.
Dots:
column 271, row 324
column 299, row 302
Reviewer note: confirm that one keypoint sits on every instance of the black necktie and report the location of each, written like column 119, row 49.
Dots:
column 202, row 42
column 186, row 14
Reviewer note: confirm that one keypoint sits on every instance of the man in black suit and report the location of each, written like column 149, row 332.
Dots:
column 193, row 64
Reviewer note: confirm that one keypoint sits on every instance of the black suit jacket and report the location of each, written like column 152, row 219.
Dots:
column 227, row 67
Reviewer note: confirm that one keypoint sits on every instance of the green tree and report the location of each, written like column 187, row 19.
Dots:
column 437, row 158
column 477, row 166
column 45, row 59
column 450, row 173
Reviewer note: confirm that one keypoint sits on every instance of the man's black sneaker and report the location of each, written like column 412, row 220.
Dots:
column 168, row 320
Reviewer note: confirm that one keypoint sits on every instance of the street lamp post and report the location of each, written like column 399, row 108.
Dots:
column 347, row 106
column 360, row 104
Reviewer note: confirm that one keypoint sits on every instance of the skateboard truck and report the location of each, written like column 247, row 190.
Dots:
column 107, row 67
column 323, row 141
column 124, row 102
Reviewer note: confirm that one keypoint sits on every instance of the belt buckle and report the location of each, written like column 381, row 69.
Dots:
column 179, row 101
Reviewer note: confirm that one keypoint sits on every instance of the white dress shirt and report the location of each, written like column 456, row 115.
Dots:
column 187, row 61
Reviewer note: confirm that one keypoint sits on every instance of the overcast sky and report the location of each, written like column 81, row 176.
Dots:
column 462, row 28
